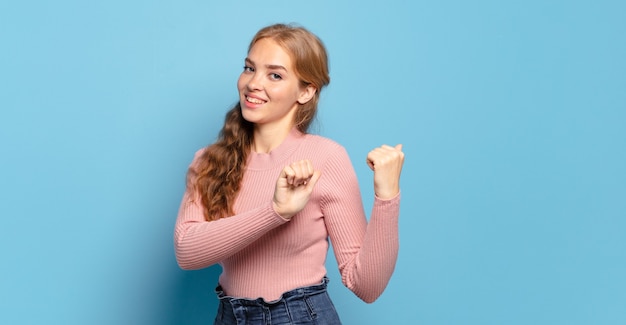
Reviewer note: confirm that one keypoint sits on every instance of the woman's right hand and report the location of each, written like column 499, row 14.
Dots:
column 294, row 187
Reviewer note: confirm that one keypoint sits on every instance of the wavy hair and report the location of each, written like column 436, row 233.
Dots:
column 216, row 175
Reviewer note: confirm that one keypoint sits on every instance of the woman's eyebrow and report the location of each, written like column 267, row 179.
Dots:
column 269, row 66
column 275, row 67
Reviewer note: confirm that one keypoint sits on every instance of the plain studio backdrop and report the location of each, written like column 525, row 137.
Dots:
column 512, row 115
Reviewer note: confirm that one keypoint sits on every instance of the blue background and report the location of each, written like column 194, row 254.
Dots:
column 512, row 115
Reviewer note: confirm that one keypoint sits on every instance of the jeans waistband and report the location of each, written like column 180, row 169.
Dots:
column 297, row 293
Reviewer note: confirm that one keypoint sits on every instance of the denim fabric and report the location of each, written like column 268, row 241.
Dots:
column 307, row 305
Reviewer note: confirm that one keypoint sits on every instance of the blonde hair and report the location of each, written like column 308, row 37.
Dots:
column 216, row 176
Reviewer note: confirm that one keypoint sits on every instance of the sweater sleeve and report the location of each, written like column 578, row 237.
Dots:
column 199, row 243
column 366, row 253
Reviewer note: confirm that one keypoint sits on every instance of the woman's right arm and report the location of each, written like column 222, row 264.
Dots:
column 199, row 243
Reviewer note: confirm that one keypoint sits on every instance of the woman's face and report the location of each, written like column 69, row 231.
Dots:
column 269, row 90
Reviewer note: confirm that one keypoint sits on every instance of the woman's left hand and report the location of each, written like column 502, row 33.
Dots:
column 386, row 162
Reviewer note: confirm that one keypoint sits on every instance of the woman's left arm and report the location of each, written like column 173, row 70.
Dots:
column 366, row 253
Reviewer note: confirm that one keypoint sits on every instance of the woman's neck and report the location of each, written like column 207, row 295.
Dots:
column 268, row 138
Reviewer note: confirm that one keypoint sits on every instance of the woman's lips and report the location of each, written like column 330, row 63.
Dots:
column 253, row 101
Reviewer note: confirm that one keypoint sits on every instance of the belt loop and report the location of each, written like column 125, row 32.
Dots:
column 267, row 315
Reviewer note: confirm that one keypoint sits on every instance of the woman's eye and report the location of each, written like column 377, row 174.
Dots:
column 275, row 76
column 247, row 68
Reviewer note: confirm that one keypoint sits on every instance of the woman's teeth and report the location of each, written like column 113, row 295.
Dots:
column 254, row 100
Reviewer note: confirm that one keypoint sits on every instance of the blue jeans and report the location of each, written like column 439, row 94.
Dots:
column 307, row 305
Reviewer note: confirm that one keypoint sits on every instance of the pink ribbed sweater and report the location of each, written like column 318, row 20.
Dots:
column 264, row 255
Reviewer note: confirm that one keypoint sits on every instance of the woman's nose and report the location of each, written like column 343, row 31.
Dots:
column 255, row 82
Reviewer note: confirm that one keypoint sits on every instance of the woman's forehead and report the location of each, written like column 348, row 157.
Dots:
column 267, row 52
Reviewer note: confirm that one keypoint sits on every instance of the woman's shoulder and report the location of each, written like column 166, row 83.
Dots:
column 323, row 143
column 323, row 149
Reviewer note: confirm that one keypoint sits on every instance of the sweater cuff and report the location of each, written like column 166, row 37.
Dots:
column 395, row 198
column 388, row 207
column 277, row 215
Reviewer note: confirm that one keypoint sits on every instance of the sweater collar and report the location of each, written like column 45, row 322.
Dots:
column 277, row 158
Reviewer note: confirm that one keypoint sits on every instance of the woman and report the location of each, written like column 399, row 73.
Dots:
column 264, row 199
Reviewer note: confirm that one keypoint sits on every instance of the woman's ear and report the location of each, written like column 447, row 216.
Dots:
column 306, row 94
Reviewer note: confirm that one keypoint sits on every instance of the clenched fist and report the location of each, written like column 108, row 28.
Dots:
column 386, row 162
column 294, row 187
